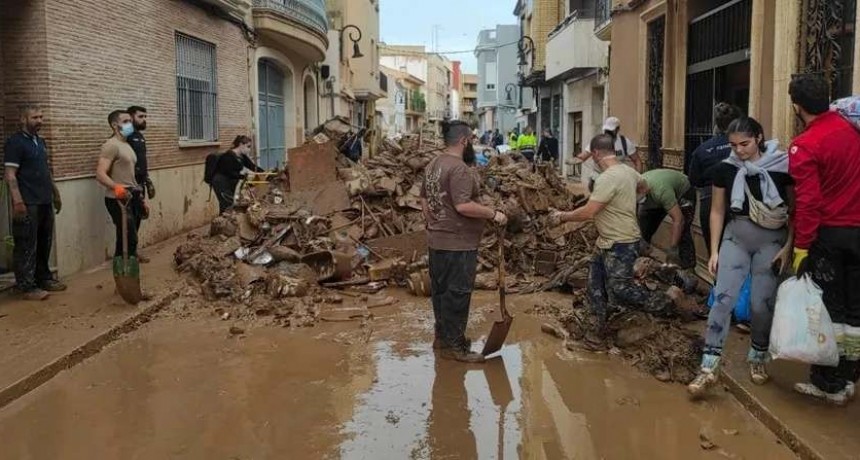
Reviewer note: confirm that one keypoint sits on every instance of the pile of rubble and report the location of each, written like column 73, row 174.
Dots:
column 662, row 345
column 330, row 228
column 329, row 223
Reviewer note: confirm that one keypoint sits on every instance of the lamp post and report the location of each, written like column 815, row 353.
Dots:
column 526, row 45
column 356, row 51
column 510, row 89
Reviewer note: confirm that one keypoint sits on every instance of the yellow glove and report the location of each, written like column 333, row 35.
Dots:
column 799, row 256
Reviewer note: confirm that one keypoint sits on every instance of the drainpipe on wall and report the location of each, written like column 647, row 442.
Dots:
column 251, row 52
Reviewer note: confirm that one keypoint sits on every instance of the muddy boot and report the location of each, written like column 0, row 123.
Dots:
column 464, row 356
column 53, row 286
column 706, row 378
column 758, row 370
column 837, row 399
column 850, row 390
column 36, row 295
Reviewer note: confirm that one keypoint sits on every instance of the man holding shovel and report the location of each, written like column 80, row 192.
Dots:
column 455, row 224
column 123, row 198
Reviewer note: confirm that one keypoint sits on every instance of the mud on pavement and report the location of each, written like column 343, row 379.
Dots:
column 321, row 240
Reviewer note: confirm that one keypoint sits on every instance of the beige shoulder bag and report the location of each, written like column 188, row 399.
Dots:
column 764, row 216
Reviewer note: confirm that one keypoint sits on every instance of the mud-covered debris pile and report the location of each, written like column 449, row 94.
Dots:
column 663, row 345
column 330, row 223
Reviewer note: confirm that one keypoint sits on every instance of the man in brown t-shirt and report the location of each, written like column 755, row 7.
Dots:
column 455, row 223
column 115, row 171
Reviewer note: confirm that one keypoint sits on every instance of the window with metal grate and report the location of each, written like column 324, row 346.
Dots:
column 196, row 89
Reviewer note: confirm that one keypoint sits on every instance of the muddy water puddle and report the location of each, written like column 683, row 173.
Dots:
column 188, row 389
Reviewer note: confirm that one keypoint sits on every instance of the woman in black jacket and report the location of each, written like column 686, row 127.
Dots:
column 232, row 167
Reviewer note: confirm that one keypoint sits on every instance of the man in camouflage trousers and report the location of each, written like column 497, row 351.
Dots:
column 613, row 207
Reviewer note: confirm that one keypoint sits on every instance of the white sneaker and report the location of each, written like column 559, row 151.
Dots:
column 700, row 385
column 758, row 373
column 837, row 399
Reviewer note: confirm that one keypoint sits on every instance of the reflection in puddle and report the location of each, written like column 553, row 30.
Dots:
column 421, row 407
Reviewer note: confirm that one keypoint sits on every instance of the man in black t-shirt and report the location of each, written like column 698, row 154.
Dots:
column 141, row 168
column 34, row 200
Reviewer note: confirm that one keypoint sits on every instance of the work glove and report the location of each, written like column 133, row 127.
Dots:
column 800, row 256
column 150, row 188
column 58, row 204
column 500, row 218
column 120, row 192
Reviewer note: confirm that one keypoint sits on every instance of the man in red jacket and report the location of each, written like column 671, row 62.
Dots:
column 825, row 163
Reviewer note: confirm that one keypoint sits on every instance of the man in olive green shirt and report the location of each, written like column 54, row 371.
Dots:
column 613, row 207
column 662, row 192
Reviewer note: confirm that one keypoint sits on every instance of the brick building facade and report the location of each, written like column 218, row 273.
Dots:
column 81, row 59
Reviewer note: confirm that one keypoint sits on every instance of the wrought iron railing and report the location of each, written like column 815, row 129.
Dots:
column 828, row 40
column 602, row 12
column 309, row 12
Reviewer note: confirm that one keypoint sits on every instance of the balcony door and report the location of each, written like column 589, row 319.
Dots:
column 272, row 142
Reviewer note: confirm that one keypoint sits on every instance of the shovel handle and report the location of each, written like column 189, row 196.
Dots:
column 123, row 208
column 502, row 275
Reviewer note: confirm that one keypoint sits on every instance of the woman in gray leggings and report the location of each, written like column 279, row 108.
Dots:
column 754, row 171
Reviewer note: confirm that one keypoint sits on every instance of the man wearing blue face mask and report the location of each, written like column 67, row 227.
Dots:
column 116, row 172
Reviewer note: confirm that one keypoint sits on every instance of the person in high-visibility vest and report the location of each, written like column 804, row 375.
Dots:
column 527, row 144
column 512, row 140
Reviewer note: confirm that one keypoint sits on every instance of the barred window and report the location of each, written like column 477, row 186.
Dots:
column 196, row 89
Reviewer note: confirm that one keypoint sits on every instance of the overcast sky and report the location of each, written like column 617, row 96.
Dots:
column 411, row 22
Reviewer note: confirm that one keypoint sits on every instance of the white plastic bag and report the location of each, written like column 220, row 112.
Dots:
column 802, row 329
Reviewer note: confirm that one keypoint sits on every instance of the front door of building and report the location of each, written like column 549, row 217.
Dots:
column 272, row 143
column 718, row 68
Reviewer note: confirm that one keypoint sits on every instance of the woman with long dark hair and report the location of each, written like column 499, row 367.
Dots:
column 752, row 197
column 232, row 167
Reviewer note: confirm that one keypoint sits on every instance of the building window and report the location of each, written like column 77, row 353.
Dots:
column 491, row 75
column 196, row 89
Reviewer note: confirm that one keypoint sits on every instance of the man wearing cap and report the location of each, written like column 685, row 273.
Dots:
column 625, row 149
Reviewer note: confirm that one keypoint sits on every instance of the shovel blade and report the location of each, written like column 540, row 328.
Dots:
column 497, row 336
column 126, row 275
column 129, row 289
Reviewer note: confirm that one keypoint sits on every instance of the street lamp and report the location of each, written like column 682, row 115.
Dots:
column 526, row 44
column 356, row 51
column 509, row 91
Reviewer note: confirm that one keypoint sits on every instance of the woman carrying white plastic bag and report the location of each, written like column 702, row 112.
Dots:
column 802, row 330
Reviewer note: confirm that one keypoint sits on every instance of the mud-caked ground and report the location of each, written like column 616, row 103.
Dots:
column 212, row 380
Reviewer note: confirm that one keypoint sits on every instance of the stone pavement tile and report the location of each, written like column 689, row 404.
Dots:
column 820, row 430
column 34, row 334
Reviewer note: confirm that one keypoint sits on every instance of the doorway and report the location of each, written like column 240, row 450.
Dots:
column 718, row 68
column 656, row 54
column 272, row 142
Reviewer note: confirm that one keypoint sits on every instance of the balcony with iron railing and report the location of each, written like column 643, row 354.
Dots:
column 300, row 26
column 602, row 18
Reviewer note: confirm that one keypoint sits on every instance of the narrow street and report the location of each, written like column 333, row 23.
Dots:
column 183, row 386
column 222, row 222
